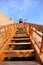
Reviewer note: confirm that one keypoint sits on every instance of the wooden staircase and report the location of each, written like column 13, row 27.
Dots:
column 20, row 47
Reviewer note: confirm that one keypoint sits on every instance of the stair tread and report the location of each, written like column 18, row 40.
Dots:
column 20, row 63
column 21, row 35
column 21, row 32
column 21, row 39
column 31, row 50
column 19, row 43
column 17, row 53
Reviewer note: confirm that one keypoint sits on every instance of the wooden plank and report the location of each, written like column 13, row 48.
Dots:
column 31, row 50
column 19, row 43
column 19, row 53
column 21, row 39
column 41, row 57
column 20, row 63
column 20, row 35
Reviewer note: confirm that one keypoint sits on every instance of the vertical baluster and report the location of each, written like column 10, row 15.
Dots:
column 30, row 30
column 15, row 27
column 42, row 44
column 9, row 31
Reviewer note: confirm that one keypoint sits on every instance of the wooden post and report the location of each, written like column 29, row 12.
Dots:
column 15, row 28
column 25, row 25
column 8, row 32
column 42, row 44
column 30, row 31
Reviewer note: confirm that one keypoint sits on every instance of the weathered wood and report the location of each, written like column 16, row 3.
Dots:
column 21, row 39
column 19, row 53
column 42, row 45
column 19, row 43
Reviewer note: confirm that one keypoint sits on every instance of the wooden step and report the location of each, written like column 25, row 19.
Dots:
column 20, row 62
column 20, row 32
column 21, row 29
column 19, row 53
column 20, row 39
column 31, row 50
column 20, row 47
column 19, row 43
column 21, row 35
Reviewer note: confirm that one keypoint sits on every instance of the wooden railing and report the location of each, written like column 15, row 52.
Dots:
column 38, row 36
column 36, row 39
column 6, row 32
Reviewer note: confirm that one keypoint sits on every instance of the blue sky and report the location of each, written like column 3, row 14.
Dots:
column 32, row 10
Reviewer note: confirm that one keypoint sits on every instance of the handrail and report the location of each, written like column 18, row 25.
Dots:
column 7, row 29
column 37, row 33
column 39, row 51
column 31, row 31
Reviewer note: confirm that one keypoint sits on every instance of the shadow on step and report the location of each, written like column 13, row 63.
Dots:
column 20, row 59
column 17, row 41
column 21, row 47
